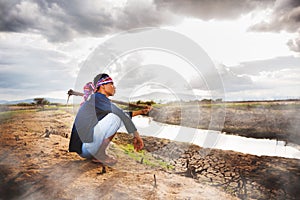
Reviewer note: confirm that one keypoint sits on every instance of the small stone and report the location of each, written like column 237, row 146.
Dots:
column 227, row 174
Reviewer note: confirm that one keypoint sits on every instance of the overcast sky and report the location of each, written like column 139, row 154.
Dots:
column 254, row 45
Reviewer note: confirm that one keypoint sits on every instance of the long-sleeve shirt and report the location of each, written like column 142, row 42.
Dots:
column 92, row 111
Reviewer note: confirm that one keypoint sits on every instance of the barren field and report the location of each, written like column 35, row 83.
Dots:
column 35, row 164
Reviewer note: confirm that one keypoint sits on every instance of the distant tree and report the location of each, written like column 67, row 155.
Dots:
column 41, row 102
column 206, row 100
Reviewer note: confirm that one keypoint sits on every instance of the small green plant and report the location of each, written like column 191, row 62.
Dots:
column 144, row 157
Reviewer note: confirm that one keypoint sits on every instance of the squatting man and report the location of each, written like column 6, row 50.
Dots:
column 98, row 120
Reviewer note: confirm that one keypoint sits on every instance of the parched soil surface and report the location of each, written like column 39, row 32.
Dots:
column 242, row 175
column 35, row 164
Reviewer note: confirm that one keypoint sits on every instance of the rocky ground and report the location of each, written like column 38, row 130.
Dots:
column 35, row 164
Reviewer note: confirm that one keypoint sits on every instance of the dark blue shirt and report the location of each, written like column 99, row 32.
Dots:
column 92, row 111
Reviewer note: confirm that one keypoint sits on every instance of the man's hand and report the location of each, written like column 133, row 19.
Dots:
column 138, row 143
column 144, row 111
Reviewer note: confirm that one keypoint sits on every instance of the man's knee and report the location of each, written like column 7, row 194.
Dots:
column 114, row 119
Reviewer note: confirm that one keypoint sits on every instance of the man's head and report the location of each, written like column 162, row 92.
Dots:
column 104, row 84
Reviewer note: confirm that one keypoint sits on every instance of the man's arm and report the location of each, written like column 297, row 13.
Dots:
column 129, row 125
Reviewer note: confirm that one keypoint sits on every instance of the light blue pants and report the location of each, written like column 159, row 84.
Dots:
column 105, row 128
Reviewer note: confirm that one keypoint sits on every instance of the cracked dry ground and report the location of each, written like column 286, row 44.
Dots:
column 242, row 175
column 33, row 166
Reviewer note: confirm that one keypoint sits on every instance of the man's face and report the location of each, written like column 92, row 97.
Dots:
column 109, row 89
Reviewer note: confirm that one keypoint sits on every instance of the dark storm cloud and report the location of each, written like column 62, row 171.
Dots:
column 57, row 20
column 140, row 14
column 63, row 20
column 208, row 9
column 9, row 22
column 284, row 17
column 285, row 14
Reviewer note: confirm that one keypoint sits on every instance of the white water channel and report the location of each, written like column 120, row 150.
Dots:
column 215, row 139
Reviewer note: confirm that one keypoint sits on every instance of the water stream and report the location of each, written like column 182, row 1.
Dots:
column 215, row 139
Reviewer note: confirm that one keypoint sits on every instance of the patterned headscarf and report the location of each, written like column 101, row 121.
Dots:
column 88, row 89
column 103, row 81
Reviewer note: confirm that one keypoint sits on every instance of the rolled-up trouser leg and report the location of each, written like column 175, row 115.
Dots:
column 104, row 129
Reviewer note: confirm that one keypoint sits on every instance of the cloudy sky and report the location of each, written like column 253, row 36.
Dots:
column 253, row 44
